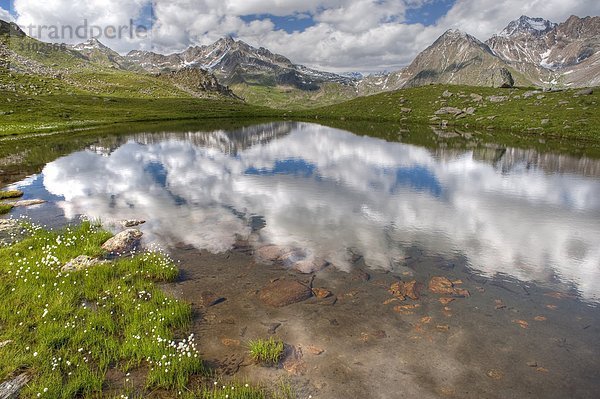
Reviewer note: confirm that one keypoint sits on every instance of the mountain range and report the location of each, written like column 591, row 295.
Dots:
column 528, row 52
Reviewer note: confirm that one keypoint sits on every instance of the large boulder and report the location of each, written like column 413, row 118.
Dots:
column 284, row 292
column 123, row 243
column 502, row 77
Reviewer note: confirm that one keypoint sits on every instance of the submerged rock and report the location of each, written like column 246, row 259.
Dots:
column 209, row 299
column 30, row 202
column 308, row 266
column 82, row 262
column 271, row 253
column 124, row 242
column 402, row 290
column 293, row 258
column 284, row 292
column 131, row 223
column 321, row 293
column 443, row 286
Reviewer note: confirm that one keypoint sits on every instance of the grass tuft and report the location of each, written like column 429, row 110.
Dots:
column 5, row 208
column 11, row 194
column 267, row 351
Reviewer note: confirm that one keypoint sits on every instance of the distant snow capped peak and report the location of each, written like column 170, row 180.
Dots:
column 527, row 25
column 91, row 44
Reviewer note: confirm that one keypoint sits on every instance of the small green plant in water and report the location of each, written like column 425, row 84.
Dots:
column 5, row 208
column 266, row 350
column 11, row 194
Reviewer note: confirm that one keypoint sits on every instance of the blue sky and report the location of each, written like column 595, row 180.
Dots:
column 333, row 35
column 427, row 14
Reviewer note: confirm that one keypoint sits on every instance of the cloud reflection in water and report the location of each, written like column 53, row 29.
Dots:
column 326, row 190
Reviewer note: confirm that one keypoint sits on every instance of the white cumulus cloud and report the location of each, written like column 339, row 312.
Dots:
column 359, row 35
column 5, row 15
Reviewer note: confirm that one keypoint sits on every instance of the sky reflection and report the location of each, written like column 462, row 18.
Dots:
column 331, row 192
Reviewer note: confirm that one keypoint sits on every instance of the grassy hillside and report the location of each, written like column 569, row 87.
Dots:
column 290, row 98
column 520, row 111
column 45, row 113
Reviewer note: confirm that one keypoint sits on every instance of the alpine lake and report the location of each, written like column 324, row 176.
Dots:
column 393, row 262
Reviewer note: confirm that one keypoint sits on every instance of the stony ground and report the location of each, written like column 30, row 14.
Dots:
column 464, row 336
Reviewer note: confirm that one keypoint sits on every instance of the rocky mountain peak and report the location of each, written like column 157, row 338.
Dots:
column 10, row 28
column 580, row 28
column 529, row 26
column 91, row 44
column 454, row 34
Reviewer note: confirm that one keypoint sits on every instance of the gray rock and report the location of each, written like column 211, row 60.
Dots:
column 532, row 93
column 502, row 78
column 545, row 121
column 447, row 94
column 406, row 110
column 476, row 97
column 81, row 262
column 124, row 242
column 449, row 110
column 469, row 111
column 10, row 389
column 585, row 92
column 31, row 202
column 131, row 223
column 497, row 99
column 10, row 231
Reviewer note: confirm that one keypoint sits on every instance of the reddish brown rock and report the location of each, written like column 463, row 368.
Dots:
column 402, row 290
column 495, row 374
column 314, row 350
column 293, row 362
column 521, row 323
column 230, row 342
column 406, row 309
column 445, row 300
column 284, row 292
column 321, row 293
column 443, row 286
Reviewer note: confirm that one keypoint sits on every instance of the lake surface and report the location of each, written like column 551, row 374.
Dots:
column 518, row 226
column 533, row 217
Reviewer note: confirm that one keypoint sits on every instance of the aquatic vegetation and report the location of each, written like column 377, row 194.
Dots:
column 69, row 329
column 266, row 350
column 11, row 194
column 5, row 208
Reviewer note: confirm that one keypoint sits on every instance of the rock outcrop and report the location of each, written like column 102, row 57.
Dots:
column 123, row 243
